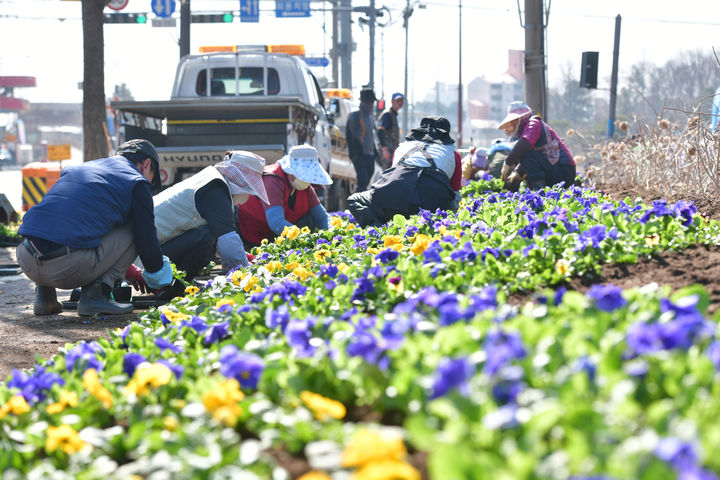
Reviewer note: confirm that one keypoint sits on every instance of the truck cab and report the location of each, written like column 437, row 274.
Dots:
column 263, row 99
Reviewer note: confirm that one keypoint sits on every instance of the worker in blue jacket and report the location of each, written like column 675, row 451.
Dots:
column 88, row 229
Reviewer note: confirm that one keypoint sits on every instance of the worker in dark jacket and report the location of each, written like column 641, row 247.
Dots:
column 539, row 153
column 361, row 136
column 89, row 228
column 196, row 217
column 426, row 174
column 388, row 130
column 291, row 198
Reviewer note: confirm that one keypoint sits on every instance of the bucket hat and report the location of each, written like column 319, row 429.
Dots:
column 432, row 130
column 515, row 110
column 139, row 145
column 367, row 95
column 302, row 161
column 243, row 173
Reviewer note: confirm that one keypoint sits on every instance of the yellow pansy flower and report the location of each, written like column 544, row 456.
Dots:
column 373, row 250
column 279, row 240
column 562, row 266
column 273, row 266
column 336, row 222
column 315, row 475
column 421, row 243
column 393, row 241
column 322, row 407
column 305, row 230
column 224, row 301
column 371, row 446
column 343, row 267
column 170, row 423
column 91, row 383
column 154, row 375
column 303, row 273
column 322, row 254
column 67, row 399
column 252, row 281
column 222, row 401
column 652, row 240
column 65, row 438
column 191, row 290
column 173, row 316
column 386, row 470
column 290, row 232
column 264, row 241
column 238, row 276
column 292, row 265
column 16, row 404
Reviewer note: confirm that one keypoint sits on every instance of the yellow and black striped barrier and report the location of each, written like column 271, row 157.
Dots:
column 37, row 179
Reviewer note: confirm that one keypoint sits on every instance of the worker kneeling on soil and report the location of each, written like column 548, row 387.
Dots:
column 291, row 199
column 539, row 155
column 426, row 173
column 196, row 217
column 89, row 228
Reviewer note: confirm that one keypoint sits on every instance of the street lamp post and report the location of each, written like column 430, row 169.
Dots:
column 406, row 17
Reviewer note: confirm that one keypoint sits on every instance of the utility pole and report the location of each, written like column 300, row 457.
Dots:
column 373, row 14
column 460, row 83
column 185, row 17
column 335, row 42
column 406, row 25
column 346, row 47
column 535, row 93
column 614, row 79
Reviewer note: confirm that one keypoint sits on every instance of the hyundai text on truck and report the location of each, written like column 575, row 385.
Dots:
column 263, row 99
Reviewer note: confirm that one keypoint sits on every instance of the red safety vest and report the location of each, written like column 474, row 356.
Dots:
column 252, row 222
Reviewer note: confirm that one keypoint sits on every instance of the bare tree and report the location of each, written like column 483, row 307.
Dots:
column 95, row 140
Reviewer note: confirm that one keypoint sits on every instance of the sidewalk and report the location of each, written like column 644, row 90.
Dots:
column 23, row 336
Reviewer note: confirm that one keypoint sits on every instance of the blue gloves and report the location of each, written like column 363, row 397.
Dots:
column 161, row 278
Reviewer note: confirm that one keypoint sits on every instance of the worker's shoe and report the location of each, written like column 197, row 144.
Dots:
column 46, row 302
column 95, row 300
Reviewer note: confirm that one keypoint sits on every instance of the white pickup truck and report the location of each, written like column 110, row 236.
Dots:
column 260, row 99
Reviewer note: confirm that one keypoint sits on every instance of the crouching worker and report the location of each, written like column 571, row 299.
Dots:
column 196, row 217
column 88, row 229
column 426, row 174
column 291, row 199
column 539, row 153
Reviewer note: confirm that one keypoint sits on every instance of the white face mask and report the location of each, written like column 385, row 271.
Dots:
column 299, row 184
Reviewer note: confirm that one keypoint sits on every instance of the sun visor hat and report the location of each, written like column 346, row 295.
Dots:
column 243, row 172
column 515, row 110
column 139, row 145
column 302, row 162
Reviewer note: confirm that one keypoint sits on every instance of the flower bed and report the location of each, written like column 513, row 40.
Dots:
column 382, row 352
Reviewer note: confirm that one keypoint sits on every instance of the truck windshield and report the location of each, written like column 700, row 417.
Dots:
column 249, row 81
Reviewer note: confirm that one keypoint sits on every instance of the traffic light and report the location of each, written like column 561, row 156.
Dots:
column 380, row 106
column 125, row 18
column 226, row 17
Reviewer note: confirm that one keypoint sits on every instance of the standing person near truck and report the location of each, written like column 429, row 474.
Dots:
column 291, row 199
column 388, row 130
column 196, row 217
column 360, row 133
column 88, row 229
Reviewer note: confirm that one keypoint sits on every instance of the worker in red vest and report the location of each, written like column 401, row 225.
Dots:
column 292, row 199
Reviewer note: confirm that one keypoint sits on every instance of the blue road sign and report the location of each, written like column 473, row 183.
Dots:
column 163, row 8
column 317, row 61
column 249, row 10
column 292, row 8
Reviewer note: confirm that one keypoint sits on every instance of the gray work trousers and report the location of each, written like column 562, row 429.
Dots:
column 80, row 267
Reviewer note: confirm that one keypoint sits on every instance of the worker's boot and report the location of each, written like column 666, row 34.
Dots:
column 46, row 302
column 95, row 300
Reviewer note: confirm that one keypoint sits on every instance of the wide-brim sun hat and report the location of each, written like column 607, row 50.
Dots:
column 432, row 130
column 515, row 110
column 139, row 145
column 302, row 162
column 243, row 172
